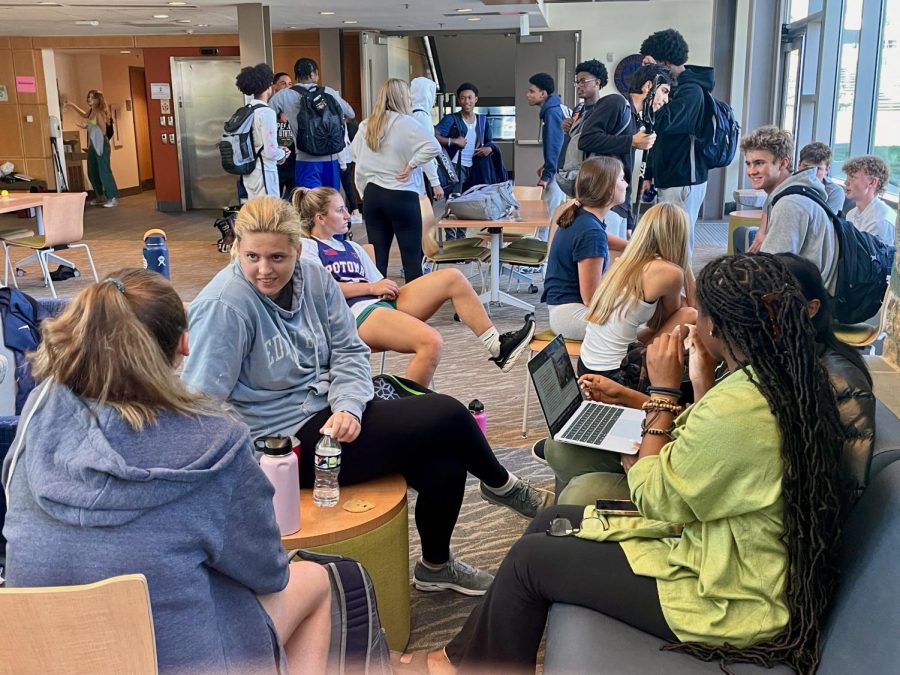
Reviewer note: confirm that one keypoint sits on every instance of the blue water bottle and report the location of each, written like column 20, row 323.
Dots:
column 156, row 252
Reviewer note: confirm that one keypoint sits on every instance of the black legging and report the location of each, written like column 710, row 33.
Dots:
column 432, row 440
column 505, row 630
column 390, row 212
column 349, row 189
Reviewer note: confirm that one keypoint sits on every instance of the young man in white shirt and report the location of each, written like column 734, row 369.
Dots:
column 866, row 179
column 256, row 82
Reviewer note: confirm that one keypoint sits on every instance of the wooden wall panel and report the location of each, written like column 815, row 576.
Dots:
column 221, row 40
column 23, row 63
column 286, row 57
column 307, row 38
column 11, row 138
column 33, row 132
column 84, row 42
column 39, row 168
column 8, row 76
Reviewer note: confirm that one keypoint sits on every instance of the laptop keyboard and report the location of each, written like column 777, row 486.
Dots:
column 593, row 424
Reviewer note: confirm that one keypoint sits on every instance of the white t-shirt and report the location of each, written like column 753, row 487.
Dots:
column 469, row 151
column 310, row 251
column 877, row 219
column 606, row 344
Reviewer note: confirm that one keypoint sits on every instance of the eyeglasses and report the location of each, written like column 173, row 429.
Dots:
column 581, row 83
column 562, row 527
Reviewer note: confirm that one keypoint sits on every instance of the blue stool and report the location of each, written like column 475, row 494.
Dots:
column 742, row 237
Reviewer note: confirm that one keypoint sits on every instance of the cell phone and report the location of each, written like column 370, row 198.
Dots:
column 617, row 507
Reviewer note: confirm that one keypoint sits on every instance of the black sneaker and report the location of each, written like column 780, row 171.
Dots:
column 513, row 343
column 537, row 451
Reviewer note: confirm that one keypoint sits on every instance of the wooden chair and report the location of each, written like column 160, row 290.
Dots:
column 63, row 229
column 461, row 253
column 538, row 342
column 527, row 192
column 530, row 252
column 861, row 335
column 104, row 628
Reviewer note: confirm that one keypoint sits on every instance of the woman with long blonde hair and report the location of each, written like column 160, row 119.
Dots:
column 388, row 151
column 99, row 172
column 120, row 468
column 647, row 292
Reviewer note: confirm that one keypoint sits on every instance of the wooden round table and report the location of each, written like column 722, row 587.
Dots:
column 736, row 219
column 378, row 538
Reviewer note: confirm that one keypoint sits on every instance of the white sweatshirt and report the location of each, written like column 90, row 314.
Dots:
column 405, row 144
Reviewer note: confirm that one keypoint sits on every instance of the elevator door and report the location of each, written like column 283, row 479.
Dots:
column 205, row 97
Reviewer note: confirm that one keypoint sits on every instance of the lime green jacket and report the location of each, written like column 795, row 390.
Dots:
column 723, row 579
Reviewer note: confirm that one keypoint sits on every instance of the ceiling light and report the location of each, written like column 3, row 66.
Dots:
column 474, row 18
column 160, row 16
column 55, row 4
column 177, row 4
column 87, row 23
column 124, row 51
column 464, row 10
column 202, row 25
column 326, row 13
column 351, row 21
column 183, row 21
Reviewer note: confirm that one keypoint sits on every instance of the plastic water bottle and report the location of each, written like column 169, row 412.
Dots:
column 328, row 465
column 156, row 252
column 476, row 407
column 279, row 463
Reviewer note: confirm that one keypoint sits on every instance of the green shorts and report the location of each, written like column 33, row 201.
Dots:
column 389, row 304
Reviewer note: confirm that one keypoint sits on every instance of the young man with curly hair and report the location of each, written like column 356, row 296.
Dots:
column 817, row 154
column 795, row 224
column 673, row 164
column 256, row 82
column 866, row 178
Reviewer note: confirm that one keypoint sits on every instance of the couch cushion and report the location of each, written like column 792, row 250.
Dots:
column 887, row 439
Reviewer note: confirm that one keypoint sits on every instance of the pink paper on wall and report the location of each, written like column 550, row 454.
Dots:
column 25, row 84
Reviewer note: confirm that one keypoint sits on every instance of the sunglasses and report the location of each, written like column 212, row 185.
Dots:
column 562, row 527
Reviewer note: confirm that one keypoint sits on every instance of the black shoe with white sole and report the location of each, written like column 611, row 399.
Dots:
column 513, row 343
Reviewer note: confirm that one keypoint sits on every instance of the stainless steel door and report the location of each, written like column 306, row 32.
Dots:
column 205, row 97
column 557, row 54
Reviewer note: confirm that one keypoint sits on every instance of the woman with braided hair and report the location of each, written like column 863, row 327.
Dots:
column 733, row 557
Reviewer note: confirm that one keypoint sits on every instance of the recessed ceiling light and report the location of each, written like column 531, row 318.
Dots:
column 474, row 18
column 124, row 51
column 177, row 4
column 87, row 23
column 202, row 25
column 326, row 13
column 464, row 10
column 183, row 21
column 351, row 21
column 160, row 16
column 55, row 4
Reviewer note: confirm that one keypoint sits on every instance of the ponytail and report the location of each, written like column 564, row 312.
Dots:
column 310, row 202
column 568, row 216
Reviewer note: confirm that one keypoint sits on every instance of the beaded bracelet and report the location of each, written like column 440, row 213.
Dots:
column 677, row 393
column 665, row 405
column 658, row 432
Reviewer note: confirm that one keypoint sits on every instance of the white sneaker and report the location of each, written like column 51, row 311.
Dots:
column 97, row 201
column 111, row 204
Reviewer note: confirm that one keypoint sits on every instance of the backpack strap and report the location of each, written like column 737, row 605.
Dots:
column 804, row 191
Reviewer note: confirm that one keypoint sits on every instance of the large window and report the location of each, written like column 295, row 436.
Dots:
column 886, row 140
column 799, row 9
column 849, row 59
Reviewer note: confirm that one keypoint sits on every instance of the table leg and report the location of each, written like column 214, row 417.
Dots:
column 39, row 217
column 494, row 295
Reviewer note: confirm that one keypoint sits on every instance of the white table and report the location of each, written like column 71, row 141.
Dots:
column 32, row 200
column 532, row 214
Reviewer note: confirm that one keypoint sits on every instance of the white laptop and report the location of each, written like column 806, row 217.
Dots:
column 571, row 418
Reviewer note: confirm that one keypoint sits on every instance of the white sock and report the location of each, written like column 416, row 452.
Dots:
column 491, row 340
column 506, row 487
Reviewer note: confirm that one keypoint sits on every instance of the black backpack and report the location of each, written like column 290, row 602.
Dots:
column 236, row 147
column 110, row 129
column 320, row 122
column 720, row 134
column 863, row 266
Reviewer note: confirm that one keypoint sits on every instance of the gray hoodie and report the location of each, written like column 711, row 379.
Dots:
column 422, row 92
column 183, row 502
column 798, row 225
column 276, row 367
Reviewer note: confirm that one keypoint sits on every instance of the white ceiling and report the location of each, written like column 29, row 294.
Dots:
column 135, row 17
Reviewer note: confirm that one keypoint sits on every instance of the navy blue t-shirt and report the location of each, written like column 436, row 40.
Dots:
column 584, row 238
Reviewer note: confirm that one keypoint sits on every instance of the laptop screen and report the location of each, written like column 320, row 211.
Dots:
column 555, row 383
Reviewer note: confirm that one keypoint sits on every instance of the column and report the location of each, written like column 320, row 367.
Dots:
column 254, row 34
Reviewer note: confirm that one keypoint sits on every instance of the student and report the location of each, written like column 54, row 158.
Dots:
column 125, row 471
column 272, row 336
column 422, row 93
column 389, row 317
column 580, row 251
column 867, row 177
column 540, row 93
column 466, row 135
column 590, row 78
column 615, row 129
column 312, row 171
column 388, row 148
column 818, row 154
column 287, row 169
column 99, row 170
column 677, row 174
column 256, row 82
column 648, row 292
column 796, row 224
column 750, row 471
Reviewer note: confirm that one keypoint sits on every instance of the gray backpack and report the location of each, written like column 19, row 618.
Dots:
column 568, row 173
column 483, row 202
column 236, row 147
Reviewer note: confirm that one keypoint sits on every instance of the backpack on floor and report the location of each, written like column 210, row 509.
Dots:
column 720, row 134
column 863, row 265
column 358, row 640
column 225, row 226
column 320, row 122
column 392, row 387
column 236, row 146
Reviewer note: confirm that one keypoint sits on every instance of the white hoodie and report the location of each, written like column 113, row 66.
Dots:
column 405, row 143
column 422, row 92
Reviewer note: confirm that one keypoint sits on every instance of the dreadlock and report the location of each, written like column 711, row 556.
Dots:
column 758, row 311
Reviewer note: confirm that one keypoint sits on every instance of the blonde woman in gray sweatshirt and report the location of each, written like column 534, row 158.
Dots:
column 388, row 149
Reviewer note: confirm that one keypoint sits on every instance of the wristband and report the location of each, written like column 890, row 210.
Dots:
column 677, row 393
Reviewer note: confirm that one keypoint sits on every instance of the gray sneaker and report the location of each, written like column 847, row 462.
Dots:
column 455, row 576
column 524, row 499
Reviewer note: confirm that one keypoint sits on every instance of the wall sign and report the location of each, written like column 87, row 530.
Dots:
column 25, row 84
column 160, row 90
column 4, row 94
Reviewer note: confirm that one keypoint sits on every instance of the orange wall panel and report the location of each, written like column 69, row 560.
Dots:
column 11, row 138
column 23, row 63
column 35, row 134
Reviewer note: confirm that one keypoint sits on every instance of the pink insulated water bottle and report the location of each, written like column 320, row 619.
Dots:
column 476, row 407
column 281, row 467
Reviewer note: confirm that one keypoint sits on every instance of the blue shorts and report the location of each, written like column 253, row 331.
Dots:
column 318, row 174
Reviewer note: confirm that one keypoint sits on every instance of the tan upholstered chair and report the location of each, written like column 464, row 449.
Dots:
column 63, row 229
column 104, row 628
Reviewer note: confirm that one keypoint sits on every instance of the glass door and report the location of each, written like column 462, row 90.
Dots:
column 791, row 69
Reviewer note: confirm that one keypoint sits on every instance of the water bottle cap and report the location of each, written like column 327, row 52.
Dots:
column 155, row 232
column 476, row 406
column 273, row 445
column 326, row 432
